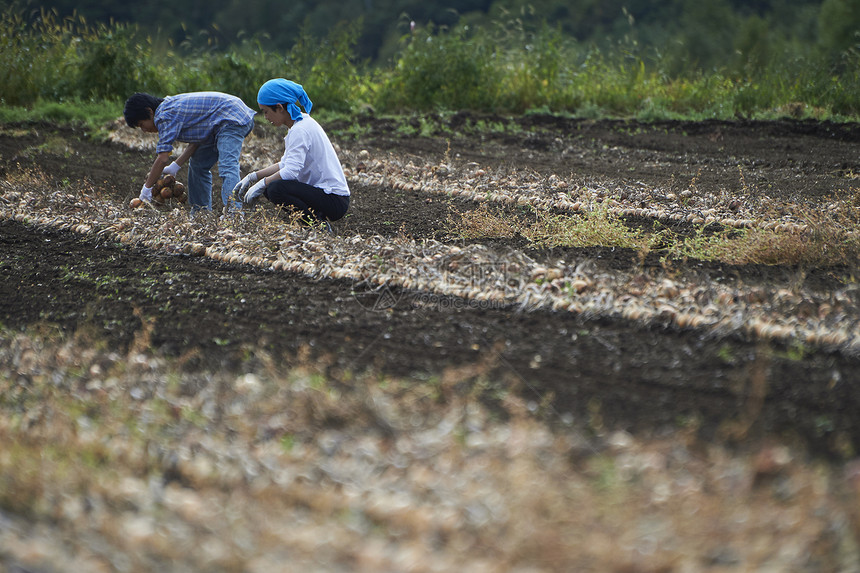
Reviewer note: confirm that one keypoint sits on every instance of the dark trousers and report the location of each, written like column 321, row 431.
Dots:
column 312, row 201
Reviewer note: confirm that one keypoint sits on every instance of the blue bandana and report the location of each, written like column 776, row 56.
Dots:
column 285, row 92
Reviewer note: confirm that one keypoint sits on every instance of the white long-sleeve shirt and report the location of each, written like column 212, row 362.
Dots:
column 309, row 157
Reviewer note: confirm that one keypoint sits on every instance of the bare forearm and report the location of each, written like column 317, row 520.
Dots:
column 187, row 153
column 272, row 172
column 162, row 160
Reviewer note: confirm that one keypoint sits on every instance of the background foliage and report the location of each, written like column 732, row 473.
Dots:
column 649, row 60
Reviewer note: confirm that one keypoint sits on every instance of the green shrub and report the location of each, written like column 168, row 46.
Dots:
column 536, row 72
column 445, row 70
column 327, row 69
column 112, row 64
column 234, row 73
column 38, row 59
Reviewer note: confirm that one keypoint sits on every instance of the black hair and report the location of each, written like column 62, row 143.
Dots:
column 137, row 107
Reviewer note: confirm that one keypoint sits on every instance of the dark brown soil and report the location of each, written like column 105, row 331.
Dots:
column 599, row 374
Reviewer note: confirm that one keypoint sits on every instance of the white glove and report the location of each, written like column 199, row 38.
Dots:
column 242, row 186
column 255, row 192
column 146, row 193
column 171, row 169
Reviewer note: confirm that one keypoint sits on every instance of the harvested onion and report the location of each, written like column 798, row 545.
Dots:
column 164, row 190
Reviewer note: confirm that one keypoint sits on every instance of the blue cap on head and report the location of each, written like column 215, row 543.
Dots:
column 287, row 93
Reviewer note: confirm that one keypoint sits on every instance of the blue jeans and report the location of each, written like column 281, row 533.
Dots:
column 223, row 149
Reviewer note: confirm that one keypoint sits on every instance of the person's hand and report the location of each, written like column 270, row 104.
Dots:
column 243, row 185
column 171, row 169
column 254, row 192
column 146, row 193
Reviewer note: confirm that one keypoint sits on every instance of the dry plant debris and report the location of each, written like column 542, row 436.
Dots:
column 830, row 319
column 125, row 462
column 140, row 467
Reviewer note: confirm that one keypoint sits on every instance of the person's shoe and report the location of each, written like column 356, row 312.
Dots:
column 328, row 228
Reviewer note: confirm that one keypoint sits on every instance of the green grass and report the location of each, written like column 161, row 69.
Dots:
column 826, row 242
column 92, row 114
column 598, row 227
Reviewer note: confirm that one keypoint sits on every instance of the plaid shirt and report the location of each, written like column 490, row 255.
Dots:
column 197, row 117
